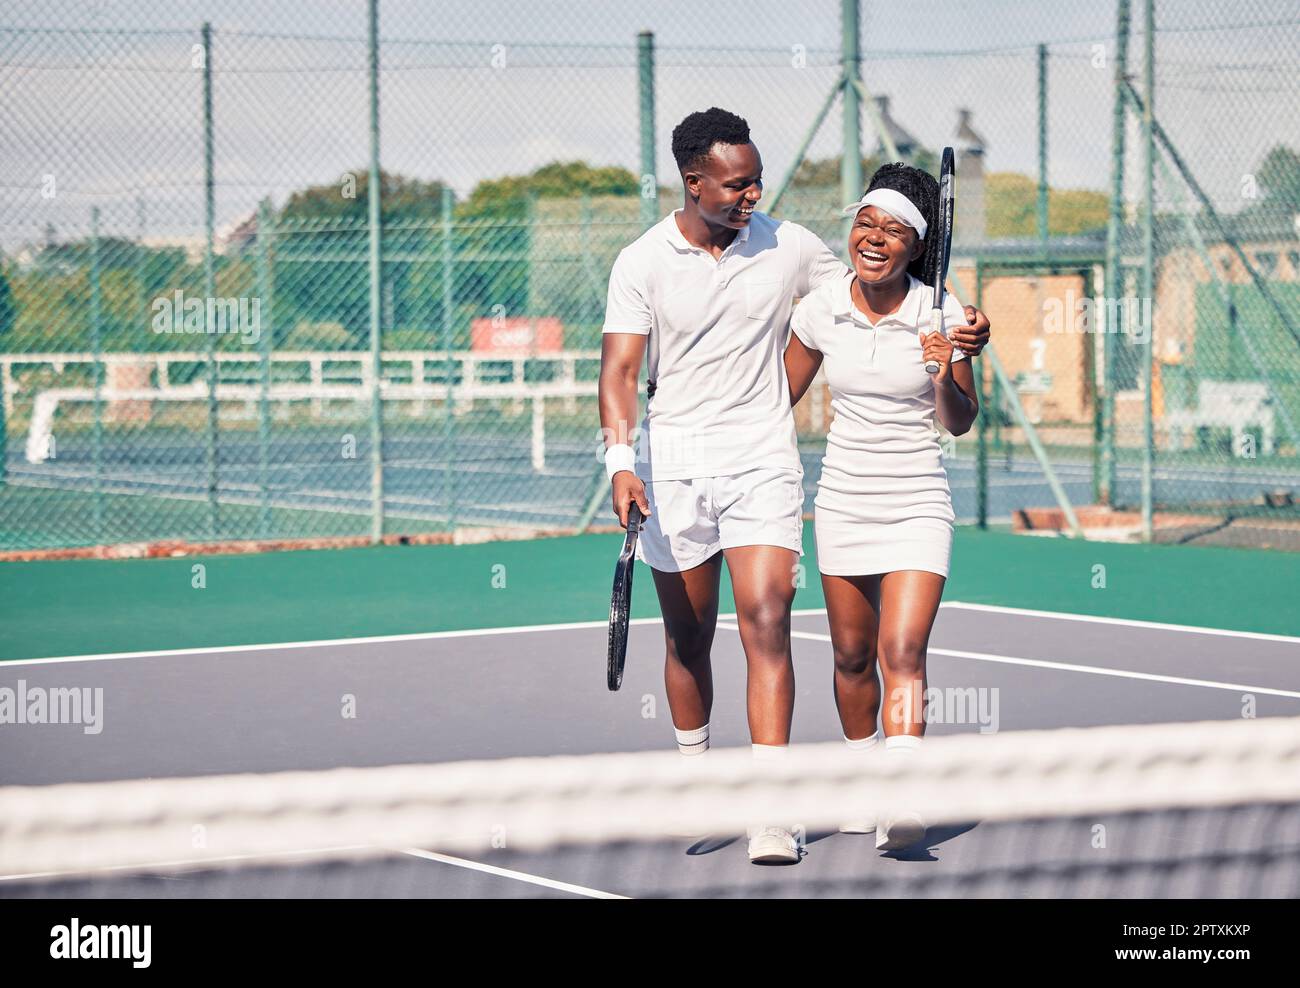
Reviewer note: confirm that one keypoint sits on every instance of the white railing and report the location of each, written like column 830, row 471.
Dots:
column 40, row 448
column 470, row 374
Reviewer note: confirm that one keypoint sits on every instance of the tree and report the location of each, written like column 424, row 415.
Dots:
column 400, row 198
column 1011, row 208
column 1278, row 179
column 558, row 180
column 497, row 230
column 322, row 260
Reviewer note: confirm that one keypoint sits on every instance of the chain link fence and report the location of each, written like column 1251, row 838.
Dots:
column 194, row 345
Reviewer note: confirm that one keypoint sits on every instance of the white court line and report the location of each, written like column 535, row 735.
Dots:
column 202, row 864
column 1189, row 629
column 144, row 870
column 519, row 876
column 522, row 629
column 1125, row 622
column 1073, row 667
column 326, row 642
column 579, row 625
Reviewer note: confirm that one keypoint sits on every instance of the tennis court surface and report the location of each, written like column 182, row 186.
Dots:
column 375, row 731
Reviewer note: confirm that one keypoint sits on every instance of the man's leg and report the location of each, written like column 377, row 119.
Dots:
column 763, row 579
column 689, row 602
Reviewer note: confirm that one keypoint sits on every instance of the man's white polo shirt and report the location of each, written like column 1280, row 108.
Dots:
column 717, row 329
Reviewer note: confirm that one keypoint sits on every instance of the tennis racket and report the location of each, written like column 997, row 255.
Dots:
column 620, row 604
column 941, row 240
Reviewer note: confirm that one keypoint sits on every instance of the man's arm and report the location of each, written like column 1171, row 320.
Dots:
column 801, row 363
column 817, row 263
column 628, row 323
column 974, row 336
column 620, row 366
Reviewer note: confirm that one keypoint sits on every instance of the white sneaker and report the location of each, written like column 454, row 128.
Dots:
column 858, row 827
column 900, row 831
column 772, row 845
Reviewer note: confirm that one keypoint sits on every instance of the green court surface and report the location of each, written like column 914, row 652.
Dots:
column 91, row 606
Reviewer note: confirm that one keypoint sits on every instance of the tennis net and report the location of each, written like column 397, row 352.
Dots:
column 1166, row 811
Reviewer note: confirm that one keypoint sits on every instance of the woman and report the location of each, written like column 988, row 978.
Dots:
column 884, row 514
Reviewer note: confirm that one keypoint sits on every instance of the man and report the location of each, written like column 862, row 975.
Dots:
column 709, row 291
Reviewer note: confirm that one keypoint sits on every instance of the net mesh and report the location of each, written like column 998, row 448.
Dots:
column 1172, row 810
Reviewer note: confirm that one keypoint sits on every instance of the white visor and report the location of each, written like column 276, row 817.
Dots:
column 895, row 204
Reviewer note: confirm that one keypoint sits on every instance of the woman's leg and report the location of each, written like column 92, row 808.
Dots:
column 909, row 601
column 853, row 609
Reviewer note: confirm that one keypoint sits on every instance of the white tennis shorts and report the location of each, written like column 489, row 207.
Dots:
column 691, row 520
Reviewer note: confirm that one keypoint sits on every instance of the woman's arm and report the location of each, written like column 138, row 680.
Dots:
column 956, row 401
column 801, row 363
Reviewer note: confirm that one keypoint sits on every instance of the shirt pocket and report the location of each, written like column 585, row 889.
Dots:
column 763, row 295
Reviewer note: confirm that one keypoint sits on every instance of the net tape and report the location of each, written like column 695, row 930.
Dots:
column 553, row 801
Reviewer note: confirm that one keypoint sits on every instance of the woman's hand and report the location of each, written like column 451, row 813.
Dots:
column 937, row 347
column 973, row 337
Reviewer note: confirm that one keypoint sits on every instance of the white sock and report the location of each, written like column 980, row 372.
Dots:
column 900, row 743
column 769, row 752
column 863, row 744
column 901, row 746
column 693, row 742
column 766, row 754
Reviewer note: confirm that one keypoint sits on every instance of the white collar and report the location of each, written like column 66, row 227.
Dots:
column 678, row 239
column 907, row 314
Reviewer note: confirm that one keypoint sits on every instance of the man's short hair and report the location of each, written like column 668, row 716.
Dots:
column 695, row 136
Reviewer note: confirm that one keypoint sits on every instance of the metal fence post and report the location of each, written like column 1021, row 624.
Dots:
column 1042, row 150
column 449, row 362
column 1114, row 254
column 264, row 340
column 97, row 352
column 851, row 151
column 645, row 48
column 376, row 289
column 1148, row 272
column 210, row 290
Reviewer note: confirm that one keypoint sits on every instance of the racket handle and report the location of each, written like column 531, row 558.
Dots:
column 936, row 326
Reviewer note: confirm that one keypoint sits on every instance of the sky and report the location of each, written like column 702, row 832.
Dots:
column 102, row 98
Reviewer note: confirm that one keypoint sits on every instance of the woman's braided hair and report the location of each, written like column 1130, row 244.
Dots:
column 923, row 189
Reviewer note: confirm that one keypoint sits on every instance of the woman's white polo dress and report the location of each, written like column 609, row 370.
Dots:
column 883, row 503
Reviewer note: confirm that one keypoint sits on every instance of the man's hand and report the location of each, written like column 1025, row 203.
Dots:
column 973, row 337
column 628, row 488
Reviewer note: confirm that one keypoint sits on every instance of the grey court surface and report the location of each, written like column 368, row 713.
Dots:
column 541, row 691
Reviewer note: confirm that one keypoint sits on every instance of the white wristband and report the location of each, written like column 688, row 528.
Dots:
column 619, row 457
